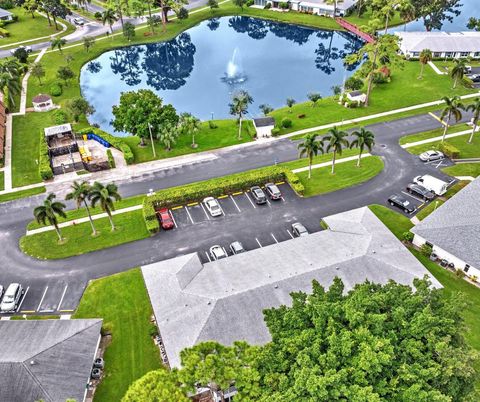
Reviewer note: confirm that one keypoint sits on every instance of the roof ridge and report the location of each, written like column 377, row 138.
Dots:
column 34, row 378
column 206, row 320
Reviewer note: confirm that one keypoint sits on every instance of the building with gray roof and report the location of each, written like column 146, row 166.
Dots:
column 224, row 300
column 453, row 230
column 5, row 15
column 49, row 360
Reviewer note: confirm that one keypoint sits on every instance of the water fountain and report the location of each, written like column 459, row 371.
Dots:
column 234, row 74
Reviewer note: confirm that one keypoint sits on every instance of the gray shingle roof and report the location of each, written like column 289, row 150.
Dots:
column 264, row 121
column 439, row 41
column 455, row 225
column 4, row 13
column 224, row 300
column 46, row 359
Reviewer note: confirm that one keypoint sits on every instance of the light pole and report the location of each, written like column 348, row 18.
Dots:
column 151, row 140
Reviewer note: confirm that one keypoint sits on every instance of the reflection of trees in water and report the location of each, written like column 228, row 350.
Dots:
column 94, row 67
column 255, row 28
column 168, row 64
column 125, row 62
column 326, row 53
column 213, row 24
column 290, row 32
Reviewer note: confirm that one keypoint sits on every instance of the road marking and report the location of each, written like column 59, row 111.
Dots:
column 274, row 238
column 174, row 221
column 205, row 211
column 268, row 202
column 190, row 216
column 288, row 231
column 260, row 244
column 411, row 195
column 41, row 300
column 280, row 183
column 23, row 298
column 239, row 210
column 222, row 196
column 46, row 311
column 174, row 208
column 440, row 163
column 66, row 311
column 192, row 204
column 283, row 199
column 437, row 118
column 251, row 202
column 63, row 295
column 237, row 193
column 27, row 311
column 208, row 257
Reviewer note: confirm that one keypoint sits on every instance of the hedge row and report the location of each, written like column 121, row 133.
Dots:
column 213, row 188
column 44, row 167
column 449, row 150
column 116, row 142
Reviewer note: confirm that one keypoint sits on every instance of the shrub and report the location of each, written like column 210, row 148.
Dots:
column 111, row 160
column 44, row 167
column 7, row 4
column 275, row 132
column 106, row 329
column 474, row 278
column 284, row 5
column 449, row 150
column 286, row 122
column 302, row 116
column 212, row 124
column 182, row 13
column 60, row 116
column 407, row 236
column 4, row 33
column 56, row 89
column 353, row 83
column 249, row 3
column 268, row 6
column 153, row 330
column 98, row 15
column 426, row 250
column 459, row 273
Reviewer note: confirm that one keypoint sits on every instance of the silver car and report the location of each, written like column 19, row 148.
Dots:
column 431, row 156
column 217, row 252
column 12, row 297
column 299, row 230
column 213, row 206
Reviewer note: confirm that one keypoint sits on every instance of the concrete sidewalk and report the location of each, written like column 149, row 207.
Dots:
column 329, row 163
column 435, row 139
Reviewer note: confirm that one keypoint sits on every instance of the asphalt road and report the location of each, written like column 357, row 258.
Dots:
column 57, row 285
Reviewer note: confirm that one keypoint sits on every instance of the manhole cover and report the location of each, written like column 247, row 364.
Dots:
column 383, row 145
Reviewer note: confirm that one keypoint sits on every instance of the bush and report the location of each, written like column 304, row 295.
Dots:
column 275, row 132
column 286, row 122
column 116, row 142
column 449, row 150
column 249, row 3
column 60, row 116
column 98, row 15
column 284, row 5
column 153, row 330
column 407, row 236
column 268, row 6
column 111, row 160
column 106, row 329
column 7, row 4
column 212, row 124
column 4, row 33
column 426, row 250
column 182, row 14
column 459, row 273
column 44, row 167
column 56, row 89
column 353, row 83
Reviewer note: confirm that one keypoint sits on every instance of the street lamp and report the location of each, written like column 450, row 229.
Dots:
column 151, row 140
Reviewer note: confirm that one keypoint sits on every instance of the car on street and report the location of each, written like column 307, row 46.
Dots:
column 28, row 49
column 273, row 191
column 236, row 247
column 213, row 207
column 402, row 203
column 78, row 21
column 166, row 219
column 217, row 252
column 420, row 191
column 299, row 230
column 431, row 155
column 258, row 195
column 11, row 298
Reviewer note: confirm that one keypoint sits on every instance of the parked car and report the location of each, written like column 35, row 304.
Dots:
column 166, row 219
column 258, row 195
column 28, row 49
column 217, row 252
column 474, row 77
column 1, row 291
column 420, row 191
column 439, row 187
column 78, row 21
column 11, row 298
column 299, row 230
column 431, row 155
column 213, row 207
column 273, row 191
column 236, row 247
column 401, row 202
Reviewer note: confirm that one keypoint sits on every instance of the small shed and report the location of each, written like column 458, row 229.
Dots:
column 356, row 96
column 42, row 103
column 264, row 126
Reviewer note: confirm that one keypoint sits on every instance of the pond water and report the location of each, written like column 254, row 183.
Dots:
column 198, row 71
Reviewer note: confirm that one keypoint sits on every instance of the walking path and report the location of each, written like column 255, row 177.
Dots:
column 435, row 139
column 329, row 163
column 435, row 68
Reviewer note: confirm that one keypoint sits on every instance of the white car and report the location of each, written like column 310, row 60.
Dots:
column 217, row 252
column 431, row 156
column 299, row 230
column 79, row 21
column 213, row 207
column 11, row 298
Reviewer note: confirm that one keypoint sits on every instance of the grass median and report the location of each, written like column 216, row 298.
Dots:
column 122, row 301
column 22, row 194
column 466, row 149
column 463, row 169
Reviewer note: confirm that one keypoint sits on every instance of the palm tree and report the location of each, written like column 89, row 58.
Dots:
column 336, row 141
column 453, row 107
column 265, row 108
column 239, row 107
column 105, row 196
column 10, row 85
column 290, row 103
column 458, row 71
column 475, row 109
column 364, row 139
column 59, row 43
column 425, row 58
column 80, row 193
column 109, row 17
column 310, row 147
column 190, row 125
column 49, row 211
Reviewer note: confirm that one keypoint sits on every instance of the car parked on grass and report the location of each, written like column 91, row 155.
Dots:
column 299, row 230
column 213, row 207
column 258, row 195
column 420, row 191
column 429, row 156
column 402, row 203
column 217, row 252
column 166, row 219
column 273, row 191
column 236, row 247
column 11, row 298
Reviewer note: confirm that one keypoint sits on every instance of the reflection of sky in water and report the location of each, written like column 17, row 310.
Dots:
column 280, row 61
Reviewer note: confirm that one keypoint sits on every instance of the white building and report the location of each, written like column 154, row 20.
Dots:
column 442, row 44
column 453, row 230
column 5, row 15
column 264, row 126
column 42, row 103
column 318, row 7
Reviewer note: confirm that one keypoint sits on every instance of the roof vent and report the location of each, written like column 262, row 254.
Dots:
column 374, row 252
column 209, row 302
column 32, row 362
column 276, row 286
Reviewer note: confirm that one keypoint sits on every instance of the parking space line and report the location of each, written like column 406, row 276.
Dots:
column 66, row 311
column 274, row 238
column 237, row 193
column 192, row 204
column 205, row 211
column 288, row 231
column 174, row 221
column 268, row 202
column 190, row 216
column 27, row 311
column 63, row 295
column 222, row 196
column 239, row 210
column 23, row 298
column 411, row 195
column 174, row 208
column 280, row 183
column 251, row 202
column 43, row 297
column 260, row 244
column 209, row 259
column 283, row 199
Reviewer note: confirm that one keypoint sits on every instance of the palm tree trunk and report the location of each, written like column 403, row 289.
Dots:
column 310, row 167
column 446, row 128
column 455, row 83
column 150, row 16
column 473, row 132
column 333, row 161
column 386, row 24
column 94, row 231
column 193, row 139
column 48, row 18
column 421, row 70
column 240, row 127
column 359, row 157
column 55, row 22
column 110, row 219
column 370, row 76
column 60, row 238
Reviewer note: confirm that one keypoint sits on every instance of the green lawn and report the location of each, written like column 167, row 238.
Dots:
column 466, row 150
column 122, row 302
column 463, row 169
column 397, row 223
column 346, row 175
column 298, row 163
column 428, row 209
column 78, row 239
column 367, row 16
column 438, row 132
column 2, row 181
column 22, row 194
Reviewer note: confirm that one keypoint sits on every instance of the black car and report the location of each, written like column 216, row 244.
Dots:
column 273, row 191
column 420, row 191
column 401, row 202
column 258, row 195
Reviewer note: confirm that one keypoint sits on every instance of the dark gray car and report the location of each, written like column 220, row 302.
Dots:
column 420, row 191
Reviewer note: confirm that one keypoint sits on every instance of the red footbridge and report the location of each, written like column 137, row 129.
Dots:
column 355, row 30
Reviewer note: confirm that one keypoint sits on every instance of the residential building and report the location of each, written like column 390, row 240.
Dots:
column 453, row 230
column 5, row 15
column 448, row 45
column 264, row 126
column 224, row 300
column 318, row 7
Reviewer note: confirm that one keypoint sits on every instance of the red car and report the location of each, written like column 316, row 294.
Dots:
column 166, row 219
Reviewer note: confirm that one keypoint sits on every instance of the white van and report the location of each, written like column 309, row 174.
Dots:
column 439, row 187
column 11, row 298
